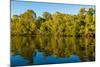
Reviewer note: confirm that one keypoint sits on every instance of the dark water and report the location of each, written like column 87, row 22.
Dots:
column 38, row 50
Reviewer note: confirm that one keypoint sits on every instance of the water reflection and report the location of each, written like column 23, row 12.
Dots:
column 48, row 50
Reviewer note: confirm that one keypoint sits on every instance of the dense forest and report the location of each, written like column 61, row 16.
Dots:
column 57, row 24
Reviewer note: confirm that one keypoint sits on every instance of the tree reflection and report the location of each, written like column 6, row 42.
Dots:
column 59, row 47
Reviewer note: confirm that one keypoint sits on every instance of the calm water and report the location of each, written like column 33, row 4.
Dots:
column 50, row 50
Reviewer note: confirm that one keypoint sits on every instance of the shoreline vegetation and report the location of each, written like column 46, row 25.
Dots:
column 56, row 24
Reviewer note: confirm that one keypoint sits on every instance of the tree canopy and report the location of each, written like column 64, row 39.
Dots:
column 60, row 24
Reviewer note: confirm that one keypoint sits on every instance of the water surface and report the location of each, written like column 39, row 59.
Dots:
column 36, row 50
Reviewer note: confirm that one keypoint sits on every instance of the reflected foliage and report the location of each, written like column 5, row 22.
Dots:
column 59, row 47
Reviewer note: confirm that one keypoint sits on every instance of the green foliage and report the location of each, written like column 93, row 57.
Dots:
column 52, row 46
column 59, row 24
column 46, row 15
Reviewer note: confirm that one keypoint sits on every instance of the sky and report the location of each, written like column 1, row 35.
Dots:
column 18, row 7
